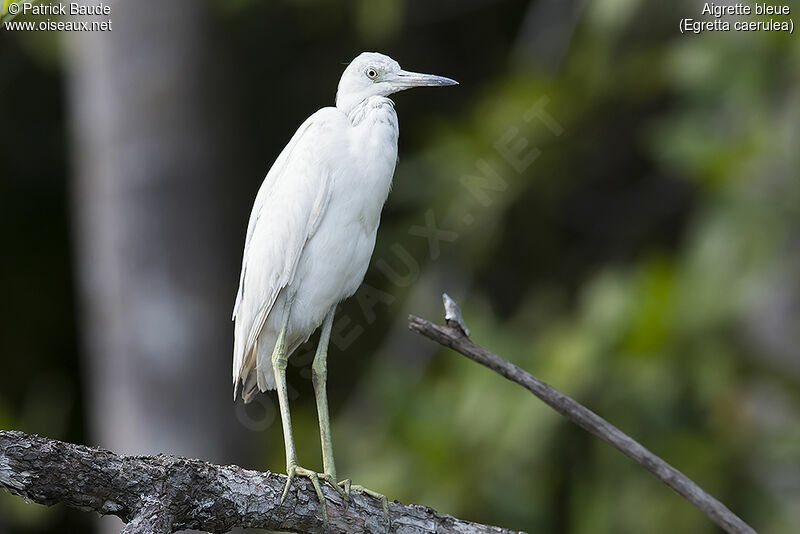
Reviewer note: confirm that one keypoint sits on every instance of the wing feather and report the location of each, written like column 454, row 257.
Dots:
column 287, row 211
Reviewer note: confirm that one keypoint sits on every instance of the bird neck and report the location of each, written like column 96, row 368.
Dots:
column 364, row 108
column 347, row 100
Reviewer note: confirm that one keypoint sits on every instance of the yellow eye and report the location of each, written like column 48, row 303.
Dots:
column 371, row 73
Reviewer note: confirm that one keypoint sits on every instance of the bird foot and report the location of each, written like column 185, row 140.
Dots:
column 348, row 486
column 294, row 471
column 331, row 480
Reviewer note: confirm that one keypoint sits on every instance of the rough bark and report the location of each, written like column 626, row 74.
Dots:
column 456, row 336
column 163, row 494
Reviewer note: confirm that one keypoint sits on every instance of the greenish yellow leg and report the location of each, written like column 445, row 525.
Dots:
column 279, row 362
column 319, row 376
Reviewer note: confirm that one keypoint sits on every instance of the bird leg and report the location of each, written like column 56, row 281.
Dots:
column 319, row 376
column 279, row 363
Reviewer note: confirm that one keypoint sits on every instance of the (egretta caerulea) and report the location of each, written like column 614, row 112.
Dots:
column 310, row 238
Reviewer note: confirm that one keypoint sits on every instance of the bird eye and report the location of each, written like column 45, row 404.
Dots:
column 371, row 73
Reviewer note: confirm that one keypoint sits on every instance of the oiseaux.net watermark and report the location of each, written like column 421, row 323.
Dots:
column 58, row 16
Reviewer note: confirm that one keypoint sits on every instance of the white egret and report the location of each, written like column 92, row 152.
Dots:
column 310, row 238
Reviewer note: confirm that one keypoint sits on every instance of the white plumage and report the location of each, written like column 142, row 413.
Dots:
column 314, row 221
column 310, row 237
column 312, row 231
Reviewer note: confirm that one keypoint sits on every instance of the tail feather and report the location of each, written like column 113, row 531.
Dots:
column 256, row 373
column 250, row 388
column 246, row 377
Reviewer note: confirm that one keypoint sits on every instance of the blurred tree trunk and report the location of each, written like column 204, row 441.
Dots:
column 157, row 247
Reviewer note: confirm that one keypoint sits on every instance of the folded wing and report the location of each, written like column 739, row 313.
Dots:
column 288, row 208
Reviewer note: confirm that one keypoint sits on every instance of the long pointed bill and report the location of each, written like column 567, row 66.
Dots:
column 405, row 80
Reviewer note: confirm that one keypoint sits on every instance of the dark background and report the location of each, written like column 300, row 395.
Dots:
column 639, row 250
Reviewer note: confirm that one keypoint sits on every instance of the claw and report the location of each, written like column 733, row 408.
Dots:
column 330, row 479
column 345, row 484
column 289, row 478
column 312, row 475
column 373, row 494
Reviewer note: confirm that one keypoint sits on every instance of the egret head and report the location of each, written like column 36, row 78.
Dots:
column 373, row 74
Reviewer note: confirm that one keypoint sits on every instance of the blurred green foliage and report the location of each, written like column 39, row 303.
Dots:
column 645, row 262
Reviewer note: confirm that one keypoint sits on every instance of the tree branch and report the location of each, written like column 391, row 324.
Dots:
column 164, row 494
column 455, row 336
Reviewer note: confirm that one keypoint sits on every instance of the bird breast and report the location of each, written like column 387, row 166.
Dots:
column 335, row 260
column 373, row 146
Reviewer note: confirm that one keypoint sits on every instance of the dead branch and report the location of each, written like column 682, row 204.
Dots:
column 456, row 336
column 164, row 494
